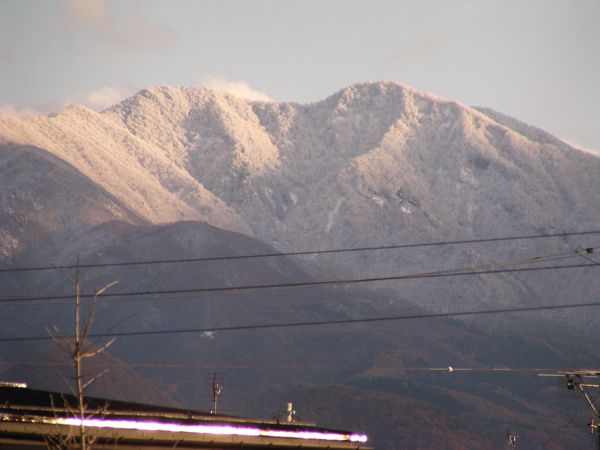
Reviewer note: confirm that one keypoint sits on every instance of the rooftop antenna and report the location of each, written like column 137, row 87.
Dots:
column 290, row 414
column 575, row 381
column 216, row 391
column 511, row 439
column 287, row 415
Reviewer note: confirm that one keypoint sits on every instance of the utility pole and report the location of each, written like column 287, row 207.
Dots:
column 575, row 381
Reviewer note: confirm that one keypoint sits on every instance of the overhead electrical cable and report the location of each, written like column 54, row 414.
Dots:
column 297, row 253
column 313, row 323
column 585, row 254
column 485, row 269
column 559, row 431
column 220, row 365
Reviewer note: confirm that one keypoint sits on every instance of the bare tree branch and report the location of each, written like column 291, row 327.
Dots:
column 58, row 341
column 91, row 354
column 92, row 312
column 94, row 378
column 78, row 350
column 69, row 385
column 107, row 333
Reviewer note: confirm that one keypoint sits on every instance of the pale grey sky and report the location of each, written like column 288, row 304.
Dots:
column 536, row 60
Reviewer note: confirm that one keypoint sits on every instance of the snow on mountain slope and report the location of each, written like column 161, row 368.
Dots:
column 373, row 161
column 44, row 199
column 430, row 166
column 134, row 171
column 216, row 137
column 381, row 163
column 373, row 164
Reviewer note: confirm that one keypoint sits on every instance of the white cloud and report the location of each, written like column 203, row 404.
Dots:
column 13, row 110
column 237, row 88
column 99, row 99
column 128, row 29
column 95, row 13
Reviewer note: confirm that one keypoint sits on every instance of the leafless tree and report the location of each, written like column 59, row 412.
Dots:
column 79, row 348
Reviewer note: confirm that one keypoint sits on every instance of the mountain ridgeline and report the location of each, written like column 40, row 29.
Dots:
column 374, row 164
column 186, row 173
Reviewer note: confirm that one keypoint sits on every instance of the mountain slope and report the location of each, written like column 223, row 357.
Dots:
column 51, row 369
column 43, row 197
column 173, row 173
column 377, row 164
column 133, row 171
column 375, row 159
column 382, row 148
column 363, row 375
column 373, row 164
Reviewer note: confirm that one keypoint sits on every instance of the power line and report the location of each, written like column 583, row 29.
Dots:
column 559, row 431
column 316, row 322
column 472, row 270
column 585, row 252
column 259, row 366
column 299, row 253
column 307, row 284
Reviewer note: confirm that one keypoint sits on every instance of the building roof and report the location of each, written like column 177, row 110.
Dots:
column 30, row 417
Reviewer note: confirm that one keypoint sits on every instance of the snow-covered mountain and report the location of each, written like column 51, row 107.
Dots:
column 137, row 175
column 188, row 172
column 369, row 152
column 374, row 164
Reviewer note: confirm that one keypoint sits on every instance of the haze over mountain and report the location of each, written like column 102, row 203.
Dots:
column 188, row 172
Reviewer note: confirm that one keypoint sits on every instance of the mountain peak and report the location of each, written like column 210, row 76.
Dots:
column 195, row 153
column 73, row 110
column 374, row 165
